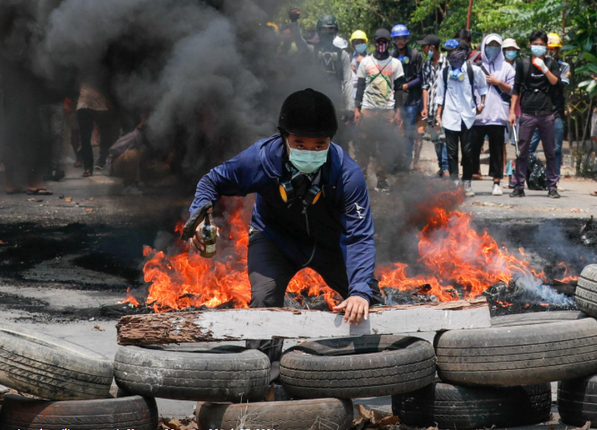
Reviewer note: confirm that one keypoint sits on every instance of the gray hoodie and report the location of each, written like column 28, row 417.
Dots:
column 496, row 110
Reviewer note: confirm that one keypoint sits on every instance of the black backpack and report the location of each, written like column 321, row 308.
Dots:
column 471, row 79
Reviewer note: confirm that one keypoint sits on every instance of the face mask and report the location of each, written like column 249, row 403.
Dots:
column 511, row 55
column 382, row 46
column 361, row 48
column 457, row 59
column 307, row 161
column 538, row 50
column 457, row 75
column 430, row 54
column 326, row 38
column 492, row 53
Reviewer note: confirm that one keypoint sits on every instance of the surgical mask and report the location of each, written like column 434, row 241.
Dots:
column 361, row 48
column 307, row 161
column 382, row 46
column 457, row 59
column 430, row 54
column 492, row 53
column 511, row 55
column 538, row 50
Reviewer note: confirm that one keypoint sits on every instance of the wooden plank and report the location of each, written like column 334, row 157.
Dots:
column 284, row 323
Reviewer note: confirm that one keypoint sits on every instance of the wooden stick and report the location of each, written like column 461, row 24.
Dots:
column 285, row 323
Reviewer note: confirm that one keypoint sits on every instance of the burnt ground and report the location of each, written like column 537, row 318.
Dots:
column 72, row 255
column 65, row 262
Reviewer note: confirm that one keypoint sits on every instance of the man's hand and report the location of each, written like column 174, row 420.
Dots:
column 540, row 64
column 294, row 14
column 424, row 113
column 357, row 116
column 439, row 121
column 491, row 80
column 355, row 308
column 196, row 242
column 512, row 119
column 398, row 119
column 480, row 110
column 405, row 87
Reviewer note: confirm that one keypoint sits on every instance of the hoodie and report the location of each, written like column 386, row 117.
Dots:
column 340, row 222
column 496, row 110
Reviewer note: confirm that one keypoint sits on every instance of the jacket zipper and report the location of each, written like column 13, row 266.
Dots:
column 309, row 234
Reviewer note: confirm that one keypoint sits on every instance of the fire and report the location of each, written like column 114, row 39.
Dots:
column 452, row 254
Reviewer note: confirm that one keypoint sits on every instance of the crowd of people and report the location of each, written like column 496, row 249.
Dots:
column 393, row 93
column 456, row 96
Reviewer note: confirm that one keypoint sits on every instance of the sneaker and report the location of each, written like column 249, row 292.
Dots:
column 518, row 192
column 382, row 186
column 132, row 190
column 468, row 189
column 553, row 193
column 100, row 164
column 497, row 190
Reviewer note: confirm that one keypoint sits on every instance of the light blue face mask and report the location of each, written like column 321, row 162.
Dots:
column 307, row 161
column 492, row 53
column 361, row 48
column 538, row 50
column 511, row 55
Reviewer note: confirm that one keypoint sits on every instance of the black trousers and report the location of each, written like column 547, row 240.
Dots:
column 496, row 135
column 108, row 130
column 270, row 272
column 465, row 136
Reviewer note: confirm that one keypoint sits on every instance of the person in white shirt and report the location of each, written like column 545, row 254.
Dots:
column 380, row 77
column 458, row 107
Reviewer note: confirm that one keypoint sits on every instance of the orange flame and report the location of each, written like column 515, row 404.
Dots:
column 451, row 253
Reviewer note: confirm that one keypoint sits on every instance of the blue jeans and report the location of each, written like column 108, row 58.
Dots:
column 558, row 137
column 410, row 129
column 442, row 154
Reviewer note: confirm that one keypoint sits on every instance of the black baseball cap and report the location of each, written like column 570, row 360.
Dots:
column 430, row 39
column 382, row 33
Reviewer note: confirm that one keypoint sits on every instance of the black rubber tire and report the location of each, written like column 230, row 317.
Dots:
column 536, row 318
column 452, row 406
column 351, row 367
column 577, row 400
column 518, row 355
column 51, row 368
column 191, row 372
column 586, row 290
column 133, row 412
column 292, row 415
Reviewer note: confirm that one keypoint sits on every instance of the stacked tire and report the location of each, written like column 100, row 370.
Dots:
column 501, row 375
column 75, row 381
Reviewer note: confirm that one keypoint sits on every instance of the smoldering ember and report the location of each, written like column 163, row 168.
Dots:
column 267, row 214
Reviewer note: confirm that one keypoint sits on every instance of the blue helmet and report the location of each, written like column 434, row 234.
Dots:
column 400, row 30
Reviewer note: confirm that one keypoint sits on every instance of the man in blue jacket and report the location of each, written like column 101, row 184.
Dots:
column 311, row 210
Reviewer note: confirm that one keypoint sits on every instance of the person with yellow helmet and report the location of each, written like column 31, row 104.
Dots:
column 358, row 40
column 554, row 48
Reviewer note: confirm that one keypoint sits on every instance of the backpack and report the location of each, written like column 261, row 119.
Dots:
column 471, row 79
column 330, row 60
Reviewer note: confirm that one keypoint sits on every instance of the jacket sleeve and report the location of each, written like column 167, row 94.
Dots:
column 357, row 240
column 441, row 88
column 480, row 80
column 236, row 177
column 347, row 86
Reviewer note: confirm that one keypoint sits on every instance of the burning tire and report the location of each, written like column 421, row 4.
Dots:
column 518, row 355
column 293, row 415
column 536, row 318
column 133, row 412
column 586, row 290
column 577, row 400
column 51, row 368
column 365, row 366
column 451, row 406
column 221, row 374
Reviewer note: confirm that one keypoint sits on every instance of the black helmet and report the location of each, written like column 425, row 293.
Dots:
column 308, row 113
column 327, row 21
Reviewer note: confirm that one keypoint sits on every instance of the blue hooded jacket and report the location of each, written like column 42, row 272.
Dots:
column 340, row 221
